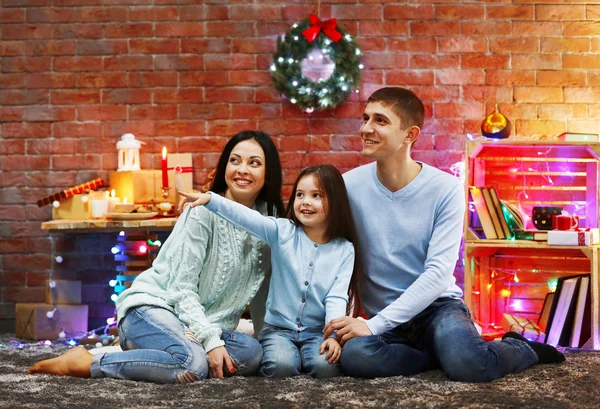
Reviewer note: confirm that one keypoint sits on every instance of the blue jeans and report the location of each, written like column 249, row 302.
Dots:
column 290, row 353
column 158, row 347
column 442, row 336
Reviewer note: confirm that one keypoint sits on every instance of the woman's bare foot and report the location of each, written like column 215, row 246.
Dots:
column 75, row 362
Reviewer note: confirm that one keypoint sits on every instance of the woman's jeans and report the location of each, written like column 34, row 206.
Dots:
column 158, row 347
column 291, row 353
column 443, row 335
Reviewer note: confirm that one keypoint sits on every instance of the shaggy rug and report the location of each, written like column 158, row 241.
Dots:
column 573, row 384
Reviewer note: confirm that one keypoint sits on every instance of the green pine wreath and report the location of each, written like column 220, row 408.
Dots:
column 286, row 70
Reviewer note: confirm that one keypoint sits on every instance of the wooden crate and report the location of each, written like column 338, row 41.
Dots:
column 491, row 288
column 536, row 173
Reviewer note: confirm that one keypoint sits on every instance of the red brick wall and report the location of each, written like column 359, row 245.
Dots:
column 76, row 74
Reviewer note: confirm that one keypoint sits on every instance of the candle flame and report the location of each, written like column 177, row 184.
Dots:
column 112, row 193
column 164, row 152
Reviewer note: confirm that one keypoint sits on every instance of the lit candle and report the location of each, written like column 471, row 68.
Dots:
column 165, row 176
column 112, row 201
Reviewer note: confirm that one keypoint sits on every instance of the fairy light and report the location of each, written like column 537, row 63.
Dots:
column 273, row 68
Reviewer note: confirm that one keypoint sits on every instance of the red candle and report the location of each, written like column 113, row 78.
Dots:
column 163, row 163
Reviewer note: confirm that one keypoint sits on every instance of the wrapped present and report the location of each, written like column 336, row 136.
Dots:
column 523, row 326
column 578, row 237
column 75, row 207
column 145, row 186
column 137, row 186
column 32, row 321
column 70, row 192
column 181, row 174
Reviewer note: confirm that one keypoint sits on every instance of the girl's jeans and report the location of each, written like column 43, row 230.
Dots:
column 158, row 347
column 443, row 335
column 290, row 353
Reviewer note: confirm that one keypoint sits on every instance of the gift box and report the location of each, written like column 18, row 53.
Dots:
column 64, row 292
column 579, row 237
column 33, row 323
column 523, row 326
column 72, row 208
column 181, row 175
column 145, row 186
column 137, row 186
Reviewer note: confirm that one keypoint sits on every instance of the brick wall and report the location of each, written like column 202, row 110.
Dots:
column 76, row 74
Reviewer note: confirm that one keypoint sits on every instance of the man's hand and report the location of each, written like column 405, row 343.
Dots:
column 347, row 328
column 334, row 350
column 197, row 199
column 219, row 360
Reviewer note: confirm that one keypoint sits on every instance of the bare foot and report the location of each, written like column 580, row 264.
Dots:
column 75, row 362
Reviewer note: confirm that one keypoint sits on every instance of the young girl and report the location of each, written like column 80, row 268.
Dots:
column 314, row 264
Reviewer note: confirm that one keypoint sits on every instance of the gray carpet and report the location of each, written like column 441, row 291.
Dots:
column 573, row 384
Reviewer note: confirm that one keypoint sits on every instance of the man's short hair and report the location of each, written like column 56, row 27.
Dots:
column 405, row 103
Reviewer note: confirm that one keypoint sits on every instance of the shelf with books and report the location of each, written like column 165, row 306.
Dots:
column 514, row 277
column 524, row 174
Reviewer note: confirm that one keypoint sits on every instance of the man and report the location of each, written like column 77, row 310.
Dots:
column 409, row 218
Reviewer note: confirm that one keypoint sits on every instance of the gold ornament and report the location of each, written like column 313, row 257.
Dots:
column 496, row 125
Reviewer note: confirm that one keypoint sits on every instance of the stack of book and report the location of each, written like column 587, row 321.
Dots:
column 490, row 213
column 499, row 219
column 566, row 314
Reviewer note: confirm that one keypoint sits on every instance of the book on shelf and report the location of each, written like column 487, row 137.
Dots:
column 494, row 215
column 483, row 214
column 534, row 235
column 513, row 215
column 558, row 332
column 498, row 206
column 582, row 327
column 545, row 314
column 578, row 137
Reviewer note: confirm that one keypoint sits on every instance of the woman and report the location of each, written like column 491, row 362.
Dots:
column 177, row 319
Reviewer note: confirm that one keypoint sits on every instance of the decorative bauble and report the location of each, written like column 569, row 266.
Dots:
column 496, row 125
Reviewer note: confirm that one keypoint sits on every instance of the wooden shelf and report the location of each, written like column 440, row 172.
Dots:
column 554, row 173
column 105, row 225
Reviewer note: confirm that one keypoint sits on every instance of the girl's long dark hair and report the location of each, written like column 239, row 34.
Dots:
column 339, row 217
column 271, row 191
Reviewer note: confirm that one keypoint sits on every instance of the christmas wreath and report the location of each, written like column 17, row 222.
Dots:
column 334, row 43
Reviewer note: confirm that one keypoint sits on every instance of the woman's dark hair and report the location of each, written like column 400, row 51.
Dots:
column 271, row 191
column 340, row 222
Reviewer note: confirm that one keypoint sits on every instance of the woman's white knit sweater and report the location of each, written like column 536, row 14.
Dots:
column 206, row 272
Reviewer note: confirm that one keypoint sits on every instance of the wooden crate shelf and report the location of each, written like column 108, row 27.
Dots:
column 491, row 289
column 537, row 173
column 528, row 174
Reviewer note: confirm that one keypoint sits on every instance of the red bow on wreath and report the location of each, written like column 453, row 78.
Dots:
column 316, row 26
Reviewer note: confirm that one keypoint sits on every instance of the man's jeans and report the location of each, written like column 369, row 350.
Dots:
column 158, row 347
column 291, row 353
column 443, row 335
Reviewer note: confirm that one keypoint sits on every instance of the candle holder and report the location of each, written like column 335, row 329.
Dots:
column 166, row 208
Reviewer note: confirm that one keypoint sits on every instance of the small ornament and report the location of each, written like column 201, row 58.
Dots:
column 496, row 125
column 129, row 153
column 316, row 65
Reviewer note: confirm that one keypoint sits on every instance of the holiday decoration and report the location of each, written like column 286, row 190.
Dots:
column 129, row 152
column 70, row 192
column 496, row 125
column 316, row 41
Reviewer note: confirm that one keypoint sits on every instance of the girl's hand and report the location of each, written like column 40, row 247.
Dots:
column 334, row 350
column 197, row 199
column 218, row 361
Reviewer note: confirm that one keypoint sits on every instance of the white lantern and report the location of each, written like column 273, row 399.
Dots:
column 129, row 152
